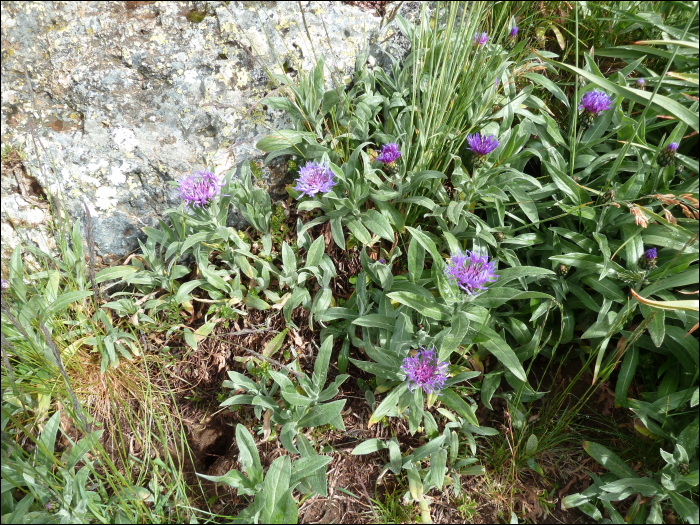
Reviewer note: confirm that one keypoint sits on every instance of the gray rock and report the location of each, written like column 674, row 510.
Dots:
column 124, row 98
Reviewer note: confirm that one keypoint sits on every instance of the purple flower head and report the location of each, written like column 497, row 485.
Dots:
column 471, row 270
column 382, row 260
column 4, row 285
column 482, row 146
column 641, row 83
column 650, row 254
column 514, row 32
column 496, row 82
column 481, row 40
column 199, row 188
column 425, row 371
column 595, row 102
column 314, row 178
column 672, row 147
column 389, row 154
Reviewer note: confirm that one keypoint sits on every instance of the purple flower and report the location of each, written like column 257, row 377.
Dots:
column 648, row 260
column 390, row 153
column 425, row 371
column 482, row 146
column 382, row 260
column 314, row 178
column 481, row 40
column 672, row 147
column 471, row 270
column 4, row 285
column 514, row 32
column 496, row 82
column 199, row 188
column 595, row 102
column 641, row 83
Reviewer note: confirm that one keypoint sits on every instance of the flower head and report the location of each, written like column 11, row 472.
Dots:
column 389, row 154
column 595, row 102
column 666, row 156
column 481, row 145
column 648, row 260
column 514, row 32
column 471, row 270
column 481, row 39
column 199, row 188
column 641, row 83
column 496, row 83
column 425, row 371
column 314, row 178
column 382, row 260
column 4, row 285
column 672, row 147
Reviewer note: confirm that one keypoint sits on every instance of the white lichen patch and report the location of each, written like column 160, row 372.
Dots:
column 105, row 197
column 117, row 176
column 190, row 76
column 125, row 139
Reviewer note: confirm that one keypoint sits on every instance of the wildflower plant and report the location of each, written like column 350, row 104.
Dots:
column 199, row 188
column 423, row 370
column 480, row 147
column 593, row 103
column 314, row 178
column 471, row 271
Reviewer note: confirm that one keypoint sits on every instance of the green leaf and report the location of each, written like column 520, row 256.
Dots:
column 318, row 377
column 185, row 288
column 388, row 404
column 273, row 346
column 315, row 252
column 429, row 246
column 275, row 486
column 66, row 299
column 359, row 231
column 606, row 288
column 499, row 348
column 549, row 86
column 643, row 486
column 377, row 223
column 428, row 307
column 368, row 447
column 416, row 260
column 516, row 272
column 324, row 414
column 624, row 379
column 115, row 272
column 531, row 445
column 248, row 455
column 47, row 440
column 282, row 140
column 307, row 466
column 454, row 401
column 609, row 460
column 375, row 321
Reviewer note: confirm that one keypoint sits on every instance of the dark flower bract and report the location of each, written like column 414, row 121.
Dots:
column 471, row 270
column 425, row 371
column 315, row 178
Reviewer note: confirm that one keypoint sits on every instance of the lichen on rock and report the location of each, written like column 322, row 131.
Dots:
column 126, row 97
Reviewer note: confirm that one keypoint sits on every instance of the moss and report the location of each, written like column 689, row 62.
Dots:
column 195, row 16
column 257, row 172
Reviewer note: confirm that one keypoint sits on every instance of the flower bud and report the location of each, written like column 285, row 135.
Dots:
column 562, row 270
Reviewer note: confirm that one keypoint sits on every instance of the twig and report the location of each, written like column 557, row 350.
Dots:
column 369, row 501
column 273, row 361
